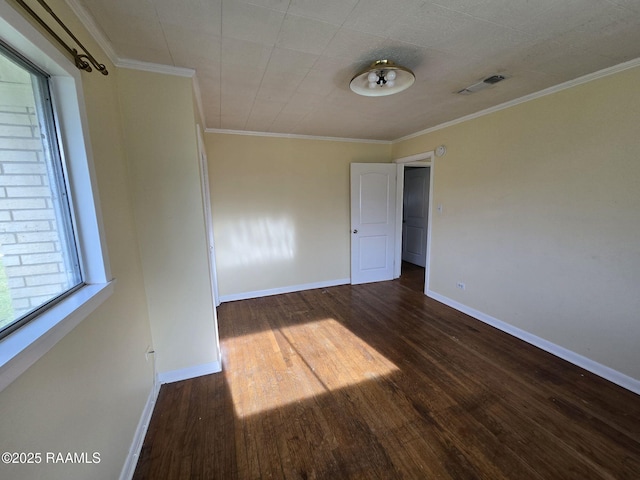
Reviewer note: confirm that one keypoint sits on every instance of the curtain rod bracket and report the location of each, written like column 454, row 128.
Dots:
column 83, row 60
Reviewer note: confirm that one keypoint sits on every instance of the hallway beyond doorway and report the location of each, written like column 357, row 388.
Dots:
column 412, row 276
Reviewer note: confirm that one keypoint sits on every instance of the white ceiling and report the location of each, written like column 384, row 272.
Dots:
column 284, row 66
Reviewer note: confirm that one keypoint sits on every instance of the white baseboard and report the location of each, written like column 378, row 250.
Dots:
column 190, row 372
column 280, row 290
column 592, row 366
column 143, row 424
column 129, row 467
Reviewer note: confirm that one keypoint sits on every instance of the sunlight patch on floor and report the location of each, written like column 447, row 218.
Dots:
column 273, row 368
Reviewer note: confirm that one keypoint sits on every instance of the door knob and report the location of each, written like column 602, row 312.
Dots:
column 355, row 231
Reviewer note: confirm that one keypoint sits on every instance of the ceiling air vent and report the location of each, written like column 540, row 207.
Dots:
column 486, row 83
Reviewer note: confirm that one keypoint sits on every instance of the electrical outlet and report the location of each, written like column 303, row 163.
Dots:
column 461, row 286
column 149, row 353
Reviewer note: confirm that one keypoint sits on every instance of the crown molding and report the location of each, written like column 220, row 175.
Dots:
column 155, row 68
column 295, row 136
column 527, row 98
column 94, row 31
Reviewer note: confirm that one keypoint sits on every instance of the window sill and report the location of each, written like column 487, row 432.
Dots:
column 29, row 343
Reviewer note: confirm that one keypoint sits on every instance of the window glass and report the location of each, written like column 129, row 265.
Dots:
column 38, row 256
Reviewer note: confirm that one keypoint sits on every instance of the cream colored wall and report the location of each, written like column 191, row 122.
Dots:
column 88, row 392
column 161, row 144
column 281, row 209
column 541, row 217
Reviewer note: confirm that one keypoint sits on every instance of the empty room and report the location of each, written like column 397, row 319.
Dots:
column 340, row 239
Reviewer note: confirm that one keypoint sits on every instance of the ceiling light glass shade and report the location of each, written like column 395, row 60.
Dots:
column 382, row 78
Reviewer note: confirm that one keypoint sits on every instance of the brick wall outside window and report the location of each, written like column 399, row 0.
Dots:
column 31, row 259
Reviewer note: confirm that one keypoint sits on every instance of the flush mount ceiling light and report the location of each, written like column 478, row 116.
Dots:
column 383, row 77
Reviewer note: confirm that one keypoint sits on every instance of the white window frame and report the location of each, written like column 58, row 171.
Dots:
column 22, row 348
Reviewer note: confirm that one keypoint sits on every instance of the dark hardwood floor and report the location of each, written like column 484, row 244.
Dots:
column 378, row 381
column 412, row 276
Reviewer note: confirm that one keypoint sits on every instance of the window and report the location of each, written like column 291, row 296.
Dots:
column 60, row 188
column 38, row 255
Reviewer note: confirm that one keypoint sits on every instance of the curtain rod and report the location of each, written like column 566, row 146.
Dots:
column 82, row 60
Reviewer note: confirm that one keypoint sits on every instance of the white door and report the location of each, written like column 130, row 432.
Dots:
column 415, row 215
column 373, row 221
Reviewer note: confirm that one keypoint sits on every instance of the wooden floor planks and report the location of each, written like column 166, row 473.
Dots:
column 379, row 381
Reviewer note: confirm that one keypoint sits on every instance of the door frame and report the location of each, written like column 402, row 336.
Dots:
column 424, row 159
column 208, row 219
